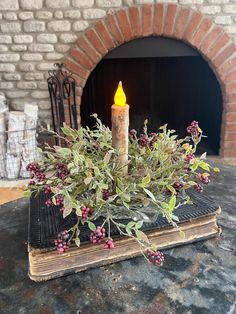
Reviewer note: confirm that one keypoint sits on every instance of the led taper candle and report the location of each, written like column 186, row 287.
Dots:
column 120, row 127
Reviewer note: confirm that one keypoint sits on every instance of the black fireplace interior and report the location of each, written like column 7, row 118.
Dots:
column 165, row 81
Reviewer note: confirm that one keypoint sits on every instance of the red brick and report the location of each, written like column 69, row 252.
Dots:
column 214, row 50
column 77, row 69
column 170, row 19
column 135, row 21
column 229, row 153
column 112, row 25
column 230, row 117
column 230, row 145
column 230, row 88
column 181, row 22
column 79, row 81
column 104, row 35
column 88, row 49
column 124, row 25
column 96, row 41
column 228, row 66
column 211, row 38
column 192, row 26
column 230, row 77
column 224, row 55
column 158, row 19
column 79, row 90
column 230, row 136
column 230, row 127
column 81, row 58
column 147, row 19
column 230, row 107
column 230, row 97
column 202, row 31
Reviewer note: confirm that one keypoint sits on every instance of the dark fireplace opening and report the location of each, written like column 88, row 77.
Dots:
column 173, row 88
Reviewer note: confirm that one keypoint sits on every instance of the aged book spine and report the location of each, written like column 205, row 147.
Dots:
column 47, row 265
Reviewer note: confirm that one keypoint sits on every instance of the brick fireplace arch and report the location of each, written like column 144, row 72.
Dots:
column 168, row 20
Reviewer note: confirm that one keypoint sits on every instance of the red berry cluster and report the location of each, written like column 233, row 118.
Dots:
column 109, row 244
column 62, row 171
column 47, row 189
column 203, row 178
column 144, row 140
column 193, row 128
column 178, row 186
column 35, row 171
column 190, row 157
column 198, row 187
column 59, row 200
column 98, row 235
column 86, row 212
column 155, row 258
column 62, row 242
column 31, row 183
column 132, row 133
column 105, row 194
column 49, row 203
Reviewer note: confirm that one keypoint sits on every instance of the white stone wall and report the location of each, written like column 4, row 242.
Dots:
column 34, row 34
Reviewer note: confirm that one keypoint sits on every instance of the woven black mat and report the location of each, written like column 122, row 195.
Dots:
column 45, row 222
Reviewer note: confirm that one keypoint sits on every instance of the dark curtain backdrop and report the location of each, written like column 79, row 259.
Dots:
column 173, row 90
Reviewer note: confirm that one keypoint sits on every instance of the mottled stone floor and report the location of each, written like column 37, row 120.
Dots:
column 197, row 278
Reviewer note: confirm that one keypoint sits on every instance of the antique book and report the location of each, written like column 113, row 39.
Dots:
column 197, row 221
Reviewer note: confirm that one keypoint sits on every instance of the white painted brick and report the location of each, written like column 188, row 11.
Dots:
column 47, row 38
column 17, row 104
column 34, row 26
column 11, row 27
column 68, row 38
column 230, row 29
column 9, row 5
column 43, row 85
column 191, row 1
column 57, row 4
column 31, row 4
column 44, row 104
column 31, row 76
column 59, row 26
column 223, row 19
column 58, row 14
column 72, row 14
column 143, row 1
column 62, row 48
column 23, row 39
column 108, row 3
column 93, row 13
column 80, row 26
column 45, row 66
column 229, row 8
column 10, row 16
column 27, row 85
column 41, row 47
column 218, row 1
column 54, row 56
column 17, row 94
column 43, row 15
column 6, row 85
column 32, row 57
column 9, row 57
column 26, row 67
column 44, row 114
column 5, row 39
column 40, row 94
column 26, row 15
column 18, row 47
column 82, row 3
column 12, row 76
column 7, row 67
column 3, row 48
column 128, row 2
column 210, row 9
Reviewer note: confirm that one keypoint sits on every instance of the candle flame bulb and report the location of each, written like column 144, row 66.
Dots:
column 120, row 98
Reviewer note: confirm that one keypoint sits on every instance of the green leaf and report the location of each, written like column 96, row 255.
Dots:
column 91, row 226
column 204, row 165
column 216, row 169
column 139, row 224
column 171, row 189
column 63, row 152
column 149, row 193
column 141, row 236
column 172, row 203
column 77, row 242
column 27, row 194
column 145, row 181
column 131, row 224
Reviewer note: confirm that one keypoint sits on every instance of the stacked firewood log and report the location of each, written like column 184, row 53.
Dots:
column 18, row 144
